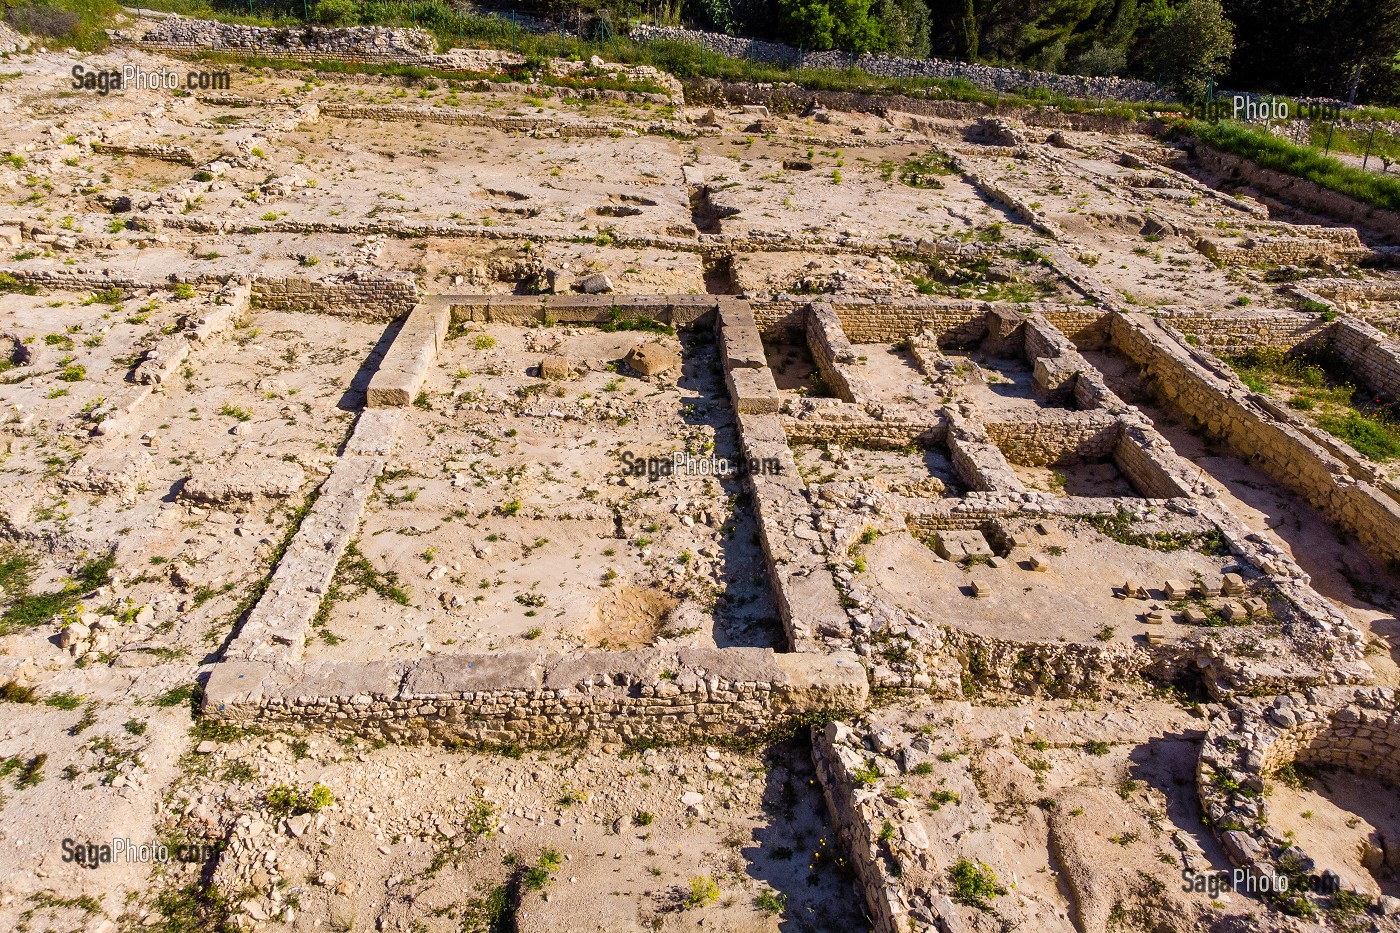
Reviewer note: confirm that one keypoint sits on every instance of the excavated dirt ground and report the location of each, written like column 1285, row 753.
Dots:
column 505, row 521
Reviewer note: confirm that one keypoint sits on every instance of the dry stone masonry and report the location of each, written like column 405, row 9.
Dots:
column 383, row 424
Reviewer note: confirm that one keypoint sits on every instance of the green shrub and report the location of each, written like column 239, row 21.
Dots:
column 284, row 800
column 1372, row 436
column 335, row 12
column 974, row 884
column 704, row 890
column 771, row 903
column 12, row 692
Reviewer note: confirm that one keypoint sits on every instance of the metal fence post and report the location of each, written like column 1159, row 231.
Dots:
column 1366, row 158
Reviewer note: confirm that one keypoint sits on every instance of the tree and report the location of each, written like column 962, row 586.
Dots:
column 967, row 32
column 1193, row 46
column 1315, row 47
column 1101, row 60
column 905, row 25
column 831, row 24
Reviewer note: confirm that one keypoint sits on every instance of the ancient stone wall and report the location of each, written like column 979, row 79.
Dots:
column 1212, row 397
column 181, row 155
column 792, row 99
column 954, row 323
column 1370, row 354
column 859, row 819
column 1356, row 729
column 378, row 44
column 834, row 356
column 276, row 627
column 989, row 78
column 1299, row 191
column 402, row 372
column 526, row 310
column 865, row 432
column 1056, row 437
column 978, row 460
column 1233, row 332
column 367, row 294
column 1264, row 251
column 1142, row 469
column 539, row 698
column 535, row 125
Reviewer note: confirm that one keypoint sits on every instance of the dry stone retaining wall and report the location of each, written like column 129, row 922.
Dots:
column 1212, row 397
column 1233, row 332
column 1355, row 729
column 1056, row 438
column 1369, row 353
column 984, row 76
column 538, row 698
column 1307, row 194
column 367, row 294
column 859, row 814
column 377, row 44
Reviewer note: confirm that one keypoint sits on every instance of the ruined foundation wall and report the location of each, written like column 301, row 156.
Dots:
column 369, row 295
column 1370, row 354
column 538, row 698
column 1146, row 474
column 1225, row 409
column 1232, row 332
column 859, row 820
column 528, row 310
column 1355, row 729
column 1307, row 194
column 880, row 435
column 893, row 323
column 835, row 359
column 1056, row 437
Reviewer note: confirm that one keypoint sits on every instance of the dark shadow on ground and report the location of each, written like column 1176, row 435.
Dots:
column 818, row 893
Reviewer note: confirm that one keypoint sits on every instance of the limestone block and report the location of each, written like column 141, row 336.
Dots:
column 405, row 367
column 244, row 478
column 558, row 281
column 376, row 433
column 740, row 344
column 1055, row 374
column 652, row 359
column 162, row 361
column 754, row 391
column 1176, row 589
column 1234, row 611
column 595, row 284
column 959, row 545
column 555, row 367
